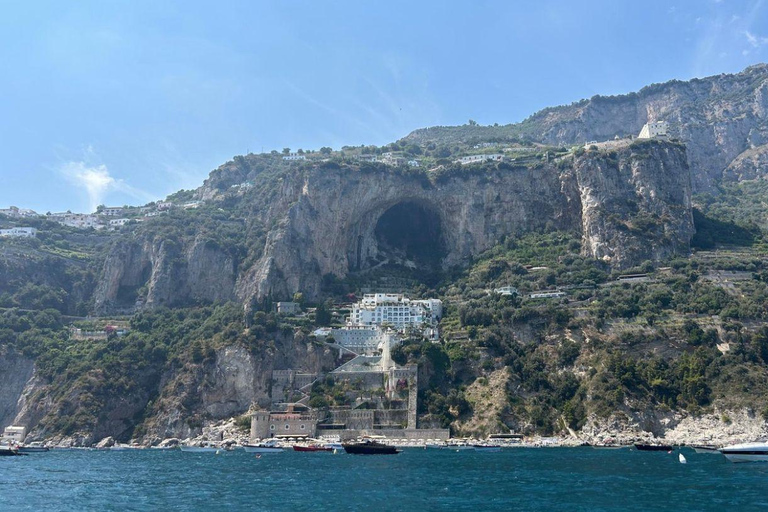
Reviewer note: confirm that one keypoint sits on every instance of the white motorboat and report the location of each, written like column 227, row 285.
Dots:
column 746, row 452
column 487, row 448
column 203, row 448
column 266, row 447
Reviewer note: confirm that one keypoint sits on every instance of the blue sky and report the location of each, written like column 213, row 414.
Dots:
column 125, row 102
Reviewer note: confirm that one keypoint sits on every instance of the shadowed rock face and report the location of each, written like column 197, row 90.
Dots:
column 630, row 206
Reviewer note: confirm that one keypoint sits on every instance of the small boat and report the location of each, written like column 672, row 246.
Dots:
column 705, row 448
column 9, row 451
column 312, row 448
column 369, row 447
column 203, row 448
column 487, row 448
column 653, row 447
column 459, row 447
column 35, row 447
column 609, row 446
column 267, row 447
column 746, row 452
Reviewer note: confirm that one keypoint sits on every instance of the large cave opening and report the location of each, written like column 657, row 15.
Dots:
column 411, row 234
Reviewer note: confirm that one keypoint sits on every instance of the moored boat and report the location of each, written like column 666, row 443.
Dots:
column 9, row 451
column 653, row 447
column 267, row 447
column 487, row 448
column 312, row 448
column 369, row 447
column 35, row 447
column 203, row 448
column 746, row 452
column 609, row 446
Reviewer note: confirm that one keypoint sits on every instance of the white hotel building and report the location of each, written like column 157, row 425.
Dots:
column 396, row 310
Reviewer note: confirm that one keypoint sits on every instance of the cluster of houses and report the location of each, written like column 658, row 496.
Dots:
column 109, row 217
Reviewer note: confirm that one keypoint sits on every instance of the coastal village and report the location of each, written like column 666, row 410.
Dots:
column 379, row 397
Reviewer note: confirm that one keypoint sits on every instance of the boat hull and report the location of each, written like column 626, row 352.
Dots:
column 653, row 448
column 488, row 449
column 312, row 449
column 370, row 449
column 199, row 449
column 262, row 449
column 33, row 449
column 750, row 452
column 705, row 449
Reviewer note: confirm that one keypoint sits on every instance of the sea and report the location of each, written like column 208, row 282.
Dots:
column 547, row 479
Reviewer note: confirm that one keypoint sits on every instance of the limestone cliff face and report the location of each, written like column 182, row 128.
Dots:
column 228, row 384
column 720, row 119
column 636, row 206
column 16, row 372
column 154, row 271
column 630, row 205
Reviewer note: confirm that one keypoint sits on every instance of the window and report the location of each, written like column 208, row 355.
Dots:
column 302, row 427
column 271, row 427
column 287, row 427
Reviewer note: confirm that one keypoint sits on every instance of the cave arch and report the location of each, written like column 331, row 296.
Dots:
column 409, row 232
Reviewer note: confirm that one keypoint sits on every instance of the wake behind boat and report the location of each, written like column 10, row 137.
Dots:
column 746, row 452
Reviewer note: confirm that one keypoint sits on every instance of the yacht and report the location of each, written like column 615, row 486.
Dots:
column 746, row 452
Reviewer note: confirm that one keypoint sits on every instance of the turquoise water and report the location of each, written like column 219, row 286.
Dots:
column 569, row 479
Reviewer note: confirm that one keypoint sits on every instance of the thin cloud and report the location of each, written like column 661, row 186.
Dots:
column 98, row 183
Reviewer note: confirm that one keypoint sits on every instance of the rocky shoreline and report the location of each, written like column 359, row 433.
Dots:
column 719, row 428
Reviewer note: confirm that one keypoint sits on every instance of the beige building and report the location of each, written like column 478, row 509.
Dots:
column 295, row 420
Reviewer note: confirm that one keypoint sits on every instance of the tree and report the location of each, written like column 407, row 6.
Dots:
column 472, row 122
column 325, row 150
column 286, row 151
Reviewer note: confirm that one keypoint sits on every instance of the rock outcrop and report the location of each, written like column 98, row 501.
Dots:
column 722, row 120
column 155, row 271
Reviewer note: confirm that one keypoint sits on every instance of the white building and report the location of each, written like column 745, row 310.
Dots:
column 15, row 434
column 294, row 156
column 413, row 163
column 288, row 308
column 472, row 159
column 366, row 158
column 506, row 290
column 395, row 310
column 19, row 232
column 547, row 295
column 18, row 213
column 116, row 223
column 112, row 211
column 653, row 130
column 77, row 220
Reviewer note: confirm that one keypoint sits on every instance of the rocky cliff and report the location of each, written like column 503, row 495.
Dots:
column 630, row 205
column 722, row 119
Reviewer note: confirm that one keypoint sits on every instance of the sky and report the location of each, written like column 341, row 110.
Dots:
column 124, row 102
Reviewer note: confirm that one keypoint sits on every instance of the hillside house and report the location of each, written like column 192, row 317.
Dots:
column 20, row 232
column 473, row 159
column 654, row 130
